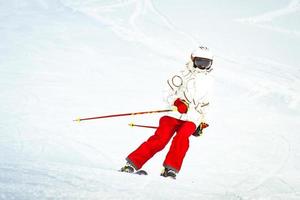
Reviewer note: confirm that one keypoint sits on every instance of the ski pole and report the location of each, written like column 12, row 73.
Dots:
column 120, row 115
column 142, row 126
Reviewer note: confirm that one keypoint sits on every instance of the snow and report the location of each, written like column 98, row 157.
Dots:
column 63, row 59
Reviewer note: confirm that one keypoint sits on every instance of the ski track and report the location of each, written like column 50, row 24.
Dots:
column 256, row 180
column 97, row 151
column 131, row 31
column 292, row 7
column 283, row 80
column 262, row 19
column 272, row 172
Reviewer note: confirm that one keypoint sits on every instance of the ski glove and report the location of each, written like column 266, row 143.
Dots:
column 199, row 131
column 181, row 105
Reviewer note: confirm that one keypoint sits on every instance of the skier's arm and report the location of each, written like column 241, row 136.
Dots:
column 203, row 123
column 202, row 107
column 201, row 103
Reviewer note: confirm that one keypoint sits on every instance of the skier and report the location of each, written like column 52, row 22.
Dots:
column 188, row 92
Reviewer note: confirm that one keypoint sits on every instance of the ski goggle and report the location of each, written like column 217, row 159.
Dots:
column 202, row 63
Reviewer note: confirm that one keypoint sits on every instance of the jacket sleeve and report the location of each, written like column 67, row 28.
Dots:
column 202, row 96
column 175, row 86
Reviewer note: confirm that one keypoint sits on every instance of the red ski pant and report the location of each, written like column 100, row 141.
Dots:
column 180, row 143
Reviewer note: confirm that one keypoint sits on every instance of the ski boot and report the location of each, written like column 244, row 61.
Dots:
column 167, row 172
column 128, row 168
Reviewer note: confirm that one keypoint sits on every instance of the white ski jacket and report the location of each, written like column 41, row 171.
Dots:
column 195, row 87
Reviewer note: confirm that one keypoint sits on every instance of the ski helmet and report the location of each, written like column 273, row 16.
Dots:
column 202, row 58
column 202, row 52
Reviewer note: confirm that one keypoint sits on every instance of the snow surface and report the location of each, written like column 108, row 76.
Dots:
column 63, row 59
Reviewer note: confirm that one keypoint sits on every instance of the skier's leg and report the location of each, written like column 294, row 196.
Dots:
column 179, row 146
column 163, row 134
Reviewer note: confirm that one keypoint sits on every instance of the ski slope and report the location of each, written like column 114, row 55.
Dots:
column 64, row 59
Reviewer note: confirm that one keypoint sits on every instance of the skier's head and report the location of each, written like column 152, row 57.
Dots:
column 202, row 59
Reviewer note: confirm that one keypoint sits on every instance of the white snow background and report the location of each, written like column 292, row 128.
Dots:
column 63, row 59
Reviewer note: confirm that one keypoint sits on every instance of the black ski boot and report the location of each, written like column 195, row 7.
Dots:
column 128, row 168
column 167, row 172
